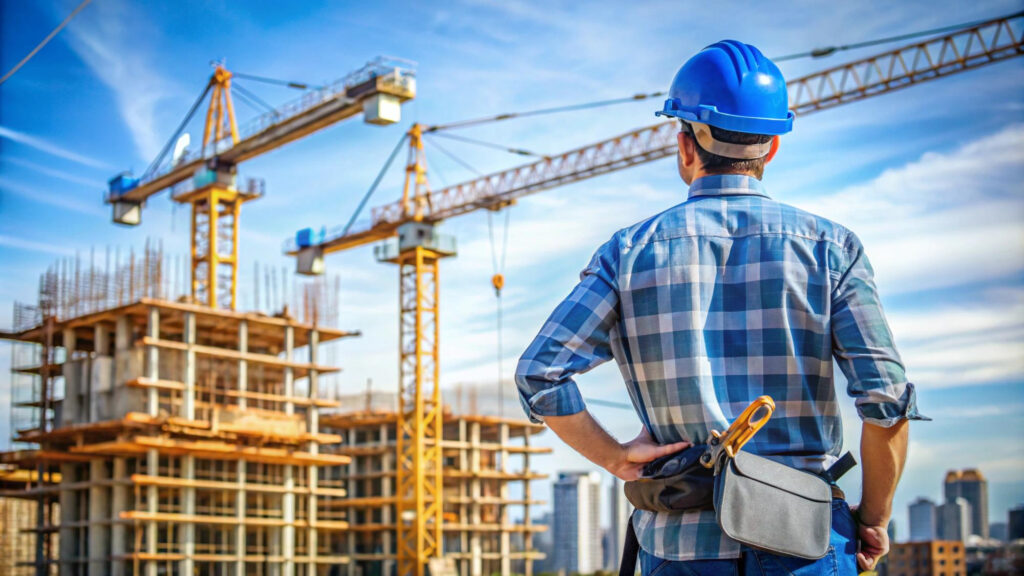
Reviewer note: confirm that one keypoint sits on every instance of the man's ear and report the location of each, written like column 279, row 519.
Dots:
column 773, row 150
column 686, row 148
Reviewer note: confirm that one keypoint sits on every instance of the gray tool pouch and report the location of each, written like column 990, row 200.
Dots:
column 772, row 507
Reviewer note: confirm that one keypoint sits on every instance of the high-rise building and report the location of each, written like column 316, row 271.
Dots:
column 922, row 520
column 970, row 485
column 997, row 531
column 576, row 525
column 1015, row 523
column 955, row 520
column 619, row 511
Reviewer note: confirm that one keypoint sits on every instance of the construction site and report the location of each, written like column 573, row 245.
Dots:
column 161, row 426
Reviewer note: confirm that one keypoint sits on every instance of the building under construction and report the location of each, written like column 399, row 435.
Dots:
column 157, row 436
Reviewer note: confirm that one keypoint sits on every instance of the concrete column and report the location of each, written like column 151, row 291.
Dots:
column 152, row 469
column 69, row 409
column 124, row 399
column 476, row 561
column 350, row 487
column 189, row 395
column 153, row 361
column 527, row 496
column 506, row 542
column 313, row 427
column 243, row 366
column 288, row 532
column 464, row 494
column 118, row 504
column 99, row 514
column 187, row 530
column 387, row 465
column 289, row 377
column 68, row 515
column 101, row 345
column 240, row 518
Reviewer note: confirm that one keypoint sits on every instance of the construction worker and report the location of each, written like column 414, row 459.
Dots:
column 720, row 299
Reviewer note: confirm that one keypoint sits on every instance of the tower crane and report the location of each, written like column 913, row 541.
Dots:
column 206, row 180
column 419, row 247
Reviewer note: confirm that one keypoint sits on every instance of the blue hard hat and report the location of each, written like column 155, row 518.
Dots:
column 732, row 86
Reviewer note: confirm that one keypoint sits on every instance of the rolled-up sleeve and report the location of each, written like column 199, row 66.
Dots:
column 863, row 345
column 574, row 339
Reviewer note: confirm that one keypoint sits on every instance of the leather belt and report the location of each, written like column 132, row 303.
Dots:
column 837, row 493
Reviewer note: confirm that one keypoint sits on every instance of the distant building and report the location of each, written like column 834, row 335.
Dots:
column 997, row 531
column 544, row 543
column 954, row 520
column 576, row 525
column 619, row 511
column 1015, row 524
column 891, row 530
column 933, row 558
column 970, row 485
column 922, row 520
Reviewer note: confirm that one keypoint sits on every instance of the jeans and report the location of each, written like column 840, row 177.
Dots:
column 840, row 560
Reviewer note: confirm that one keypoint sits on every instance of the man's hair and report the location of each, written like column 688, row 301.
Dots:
column 715, row 164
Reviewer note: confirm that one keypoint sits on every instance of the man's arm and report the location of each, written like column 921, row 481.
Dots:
column 864, row 349
column 883, row 453
column 576, row 338
column 583, row 434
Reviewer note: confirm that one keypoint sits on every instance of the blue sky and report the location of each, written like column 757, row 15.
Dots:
column 929, row 177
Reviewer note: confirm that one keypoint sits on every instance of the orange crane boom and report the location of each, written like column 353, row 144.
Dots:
column 963, row 50
column 313, row 111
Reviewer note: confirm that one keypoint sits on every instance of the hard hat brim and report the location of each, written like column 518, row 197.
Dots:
column 711, row 116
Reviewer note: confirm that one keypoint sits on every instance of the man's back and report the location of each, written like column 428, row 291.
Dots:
column 727, row 297
column 708, row 305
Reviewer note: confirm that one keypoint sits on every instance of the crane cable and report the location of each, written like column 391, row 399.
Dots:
column 376, row 182
column 181, row 127
column 498, row 281
column 830, row 50
column 287, row 83
column 540, row 111
column 486, row 144
column 45, row 41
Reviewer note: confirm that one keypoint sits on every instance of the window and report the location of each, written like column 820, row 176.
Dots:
column 942, row 549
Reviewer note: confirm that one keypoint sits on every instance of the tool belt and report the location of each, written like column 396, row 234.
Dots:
column 757, row 502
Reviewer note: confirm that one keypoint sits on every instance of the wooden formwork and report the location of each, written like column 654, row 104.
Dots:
column 179, row 439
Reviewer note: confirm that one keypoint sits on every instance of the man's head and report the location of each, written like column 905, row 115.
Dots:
column 732, row 104
column 694, row 161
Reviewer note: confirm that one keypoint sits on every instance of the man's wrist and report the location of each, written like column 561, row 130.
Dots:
column 869, row 518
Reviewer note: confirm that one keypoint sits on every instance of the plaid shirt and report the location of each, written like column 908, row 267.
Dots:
column 705, row 307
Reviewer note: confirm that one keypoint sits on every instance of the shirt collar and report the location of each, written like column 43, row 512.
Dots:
column 727, row 185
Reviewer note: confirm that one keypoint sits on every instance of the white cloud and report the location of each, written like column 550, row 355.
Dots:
column 62, row 202
column 67, row 176
column 26, row 244
column 49, row 148
column 103, row 39
column 944, row 220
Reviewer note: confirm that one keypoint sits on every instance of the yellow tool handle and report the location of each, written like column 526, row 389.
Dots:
column 749, row 422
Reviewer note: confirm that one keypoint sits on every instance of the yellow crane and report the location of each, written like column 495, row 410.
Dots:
column 419, row 247
column 207, row 180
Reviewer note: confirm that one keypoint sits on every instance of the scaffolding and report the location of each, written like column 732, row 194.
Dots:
column 177, row 439
column 154, row 435
column 486, row 473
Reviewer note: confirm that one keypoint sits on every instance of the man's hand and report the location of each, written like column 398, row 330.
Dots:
column 583, row 434
column 874, row 543
column 640, row 451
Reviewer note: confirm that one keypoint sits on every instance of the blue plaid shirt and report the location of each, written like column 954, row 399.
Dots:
column 705, row 307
